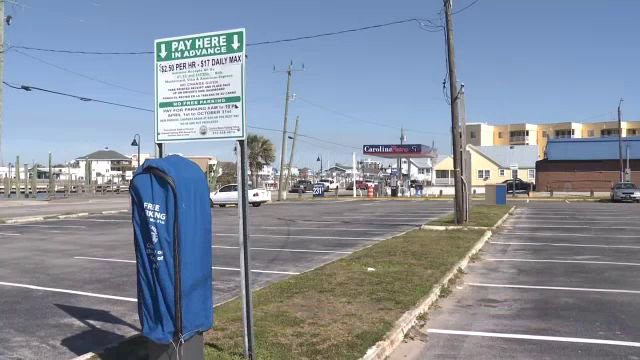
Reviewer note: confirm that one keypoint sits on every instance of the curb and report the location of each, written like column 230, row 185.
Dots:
column 455, row 227
column 28, row 219
column 382, row 349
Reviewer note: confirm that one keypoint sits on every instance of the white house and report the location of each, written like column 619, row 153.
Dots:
column 105, row 164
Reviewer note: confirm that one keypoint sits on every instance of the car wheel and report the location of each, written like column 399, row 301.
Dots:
column 211, row 202
column 222, row 205
column 256, row 204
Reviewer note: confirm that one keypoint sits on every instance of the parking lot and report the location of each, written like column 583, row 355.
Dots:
column 559, row 281
column 69, row 286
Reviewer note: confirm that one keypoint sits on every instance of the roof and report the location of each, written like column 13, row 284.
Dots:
column 422, row 162
column 592, row 148
column 104, row 155
column 525, row 156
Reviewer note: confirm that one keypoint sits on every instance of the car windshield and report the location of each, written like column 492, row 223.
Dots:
column 626, row 186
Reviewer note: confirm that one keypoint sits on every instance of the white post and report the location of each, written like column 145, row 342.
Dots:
column 354, row 174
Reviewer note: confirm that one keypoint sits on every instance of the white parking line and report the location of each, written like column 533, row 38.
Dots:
column 572, row 226
column 554, row 288
column 306, row 237
column 567, row 261
column 214, row 267
column 292, row 250
column 97, row 220
column 563, row 244
column 46, row 226
column 378, row 218
column 534, row 337
column 306, row 228
column 577, row 220
column 33, row 287
column 568, row 234
column 8, row 234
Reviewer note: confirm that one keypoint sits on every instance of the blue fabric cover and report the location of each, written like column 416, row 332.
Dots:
column 154, row 213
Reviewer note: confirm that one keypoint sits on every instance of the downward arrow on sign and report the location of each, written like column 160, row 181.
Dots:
column 235, row 42
column 163, row 51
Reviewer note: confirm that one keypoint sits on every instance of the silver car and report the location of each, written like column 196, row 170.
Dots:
column 625, row 191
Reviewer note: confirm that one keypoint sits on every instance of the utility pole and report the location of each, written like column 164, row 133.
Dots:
column 455, row 120
column 281, row 194
column 620, row 139
column 400, row 179
column 465, row 156
column 293, row 149
column 2, row 19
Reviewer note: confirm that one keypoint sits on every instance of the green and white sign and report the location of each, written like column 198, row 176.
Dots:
column 199, row 84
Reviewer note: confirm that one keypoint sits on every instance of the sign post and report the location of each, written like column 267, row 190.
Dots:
column 514, row 175
column 199, row 92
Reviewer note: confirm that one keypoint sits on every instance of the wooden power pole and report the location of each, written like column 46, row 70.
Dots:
column 455, row 118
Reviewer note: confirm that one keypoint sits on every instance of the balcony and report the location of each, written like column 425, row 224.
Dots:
column 519, row 139
column 443, row 181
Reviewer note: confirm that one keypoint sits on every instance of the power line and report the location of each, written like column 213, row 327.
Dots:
column 466, row 7
column 87, row 99
column 80, row 74
column 81, row 98
column 424, row 24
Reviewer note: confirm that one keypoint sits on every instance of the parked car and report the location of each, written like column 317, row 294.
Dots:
column 228, row 195
column 521, row 186
column 304, row 185
column 329, row 184
column 360, row 185
column 625, row 191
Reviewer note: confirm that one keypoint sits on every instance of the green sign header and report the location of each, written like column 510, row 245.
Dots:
column 199, row 46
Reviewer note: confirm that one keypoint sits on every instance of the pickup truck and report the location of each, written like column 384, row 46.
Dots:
column 329, row 184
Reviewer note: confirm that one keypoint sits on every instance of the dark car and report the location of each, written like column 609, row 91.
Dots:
column 521, row 186
column 301, row 185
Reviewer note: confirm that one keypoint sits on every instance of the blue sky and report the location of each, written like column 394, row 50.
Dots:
column 534, row 61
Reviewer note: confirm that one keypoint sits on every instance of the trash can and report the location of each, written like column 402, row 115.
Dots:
column 171, row 217
column 495, row 194
column 394, row 191
column 419, row 189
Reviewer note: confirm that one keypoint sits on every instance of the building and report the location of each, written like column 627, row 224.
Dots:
column 591, row 164
column 105, row 164
column 480, row 134
column 490, row 165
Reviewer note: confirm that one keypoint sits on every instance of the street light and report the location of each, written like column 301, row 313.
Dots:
column 137, row 143
column 320, row 160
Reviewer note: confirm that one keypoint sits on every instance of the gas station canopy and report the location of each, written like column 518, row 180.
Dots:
column 401, row 150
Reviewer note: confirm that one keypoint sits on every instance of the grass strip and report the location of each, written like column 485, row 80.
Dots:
column 479, row 215
column 338, row 310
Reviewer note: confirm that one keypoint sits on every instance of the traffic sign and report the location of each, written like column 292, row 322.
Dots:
column 199, row 87
column 513, row 167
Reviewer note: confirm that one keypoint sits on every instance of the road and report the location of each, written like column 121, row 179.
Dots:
column 558, row 282
column 27, row 208
column 68, row 286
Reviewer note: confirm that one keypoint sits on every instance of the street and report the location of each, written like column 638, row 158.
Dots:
column 69, row 286
column 557, row 282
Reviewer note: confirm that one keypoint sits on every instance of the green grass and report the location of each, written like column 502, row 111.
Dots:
column 479, row 215
column 341, row 309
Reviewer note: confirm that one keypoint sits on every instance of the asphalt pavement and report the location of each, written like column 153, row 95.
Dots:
column 68, row 286
column 12, row 208
column 559, row 281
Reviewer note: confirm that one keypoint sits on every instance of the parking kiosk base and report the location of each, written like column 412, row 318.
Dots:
column 192, row 349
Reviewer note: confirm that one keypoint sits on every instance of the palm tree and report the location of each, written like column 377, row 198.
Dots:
column 261, row 152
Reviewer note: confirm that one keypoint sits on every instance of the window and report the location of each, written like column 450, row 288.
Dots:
column 590, row 133
column 544, row 134
column 484, row 174
column 632, row 132
column 532, row 173
column 442, row 174
column 501, row 172
column 421, row 171
column 514, row 174
column 608, row 132
column 226, row 188
column 472, row 134
column 499, row 134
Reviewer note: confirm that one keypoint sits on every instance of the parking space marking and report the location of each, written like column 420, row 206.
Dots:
column 97, row 220
column 45, row 226
column 510, row 286
column 567, row 234
column 8, row 234
column 305, row 237
column 214, row 267
column 582, row 221
column 378, row 218
column 562, row 244
column 307, row 228
column 534, row 337
column 33, row 287
column 568, row 261
column 572, row 226
column 292, row 250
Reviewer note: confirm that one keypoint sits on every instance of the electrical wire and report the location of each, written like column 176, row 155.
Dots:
column 466, row 7
column 424, row 24
column 80, row 74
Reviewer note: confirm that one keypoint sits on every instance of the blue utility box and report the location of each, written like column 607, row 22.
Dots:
column 495, row 194
column 171, row 218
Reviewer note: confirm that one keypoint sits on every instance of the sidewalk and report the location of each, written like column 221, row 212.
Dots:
column 11, row 210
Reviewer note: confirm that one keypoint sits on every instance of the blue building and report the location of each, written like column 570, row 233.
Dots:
column 586, row 164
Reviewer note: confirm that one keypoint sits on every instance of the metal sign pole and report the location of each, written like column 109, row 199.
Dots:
column 245, row 262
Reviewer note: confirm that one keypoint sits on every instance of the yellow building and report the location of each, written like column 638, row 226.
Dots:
column 491, row 165
column 479, row 134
